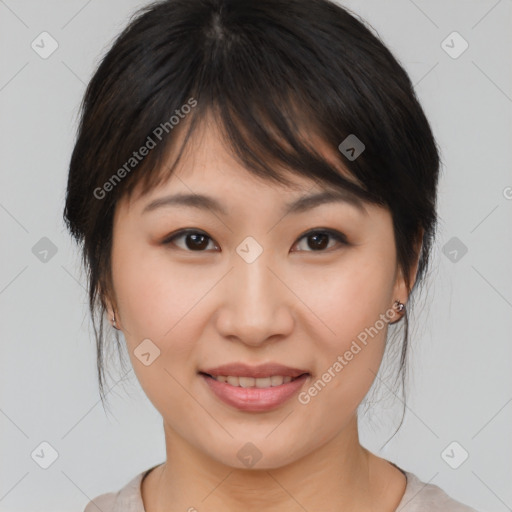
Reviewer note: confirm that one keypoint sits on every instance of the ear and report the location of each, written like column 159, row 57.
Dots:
column 400, row 291
column 109, row 304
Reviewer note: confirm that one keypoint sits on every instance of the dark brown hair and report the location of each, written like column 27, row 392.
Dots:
column 269, row 71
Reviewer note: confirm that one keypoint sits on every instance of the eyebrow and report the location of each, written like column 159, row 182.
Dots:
column 302, row 204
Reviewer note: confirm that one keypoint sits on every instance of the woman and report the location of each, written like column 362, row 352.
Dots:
column 254, row 184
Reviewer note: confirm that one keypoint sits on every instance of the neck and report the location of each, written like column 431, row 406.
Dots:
column 341, row 475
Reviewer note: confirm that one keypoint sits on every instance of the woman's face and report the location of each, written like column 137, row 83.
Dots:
column 248, row 286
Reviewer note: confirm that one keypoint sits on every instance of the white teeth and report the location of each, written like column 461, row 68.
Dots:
column 250, row 382
column 231, row 380
column 246, row 382
column 276, row 380
column 263, row 383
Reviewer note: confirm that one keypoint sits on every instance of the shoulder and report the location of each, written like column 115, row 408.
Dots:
column 424, row 497
column 126, row 499
column 103, row 503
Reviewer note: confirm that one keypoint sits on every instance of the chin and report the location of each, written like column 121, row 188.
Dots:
column 263, row 454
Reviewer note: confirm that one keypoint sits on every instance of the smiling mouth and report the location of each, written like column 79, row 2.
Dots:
column 253, row 382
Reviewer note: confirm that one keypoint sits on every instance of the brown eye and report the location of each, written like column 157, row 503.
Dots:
column 318, row 240
column 197, row 241
column 194, row 241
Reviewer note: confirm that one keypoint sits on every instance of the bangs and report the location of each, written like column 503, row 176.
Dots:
column 270, row 143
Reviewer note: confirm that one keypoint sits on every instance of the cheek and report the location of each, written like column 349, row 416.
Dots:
column 351, row 305
column 348, row 298
column 153, row 295
column 157, row 303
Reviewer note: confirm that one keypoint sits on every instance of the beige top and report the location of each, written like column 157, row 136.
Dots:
column 418, row 497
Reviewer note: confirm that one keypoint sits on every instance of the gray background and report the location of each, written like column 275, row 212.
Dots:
column 460, row 388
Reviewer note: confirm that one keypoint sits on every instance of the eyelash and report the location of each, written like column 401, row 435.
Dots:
column 336, row 235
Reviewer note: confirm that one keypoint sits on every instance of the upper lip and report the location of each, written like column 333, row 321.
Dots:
column 245, row 370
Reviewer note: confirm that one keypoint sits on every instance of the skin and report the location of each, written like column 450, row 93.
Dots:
column 294, row 305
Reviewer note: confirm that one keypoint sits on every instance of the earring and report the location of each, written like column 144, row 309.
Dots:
column 399, row 306
column 114, row 322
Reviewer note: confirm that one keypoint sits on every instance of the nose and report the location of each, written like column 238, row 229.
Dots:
column 257, row 304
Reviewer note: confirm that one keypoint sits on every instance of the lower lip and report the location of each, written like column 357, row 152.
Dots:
column 254, row 399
